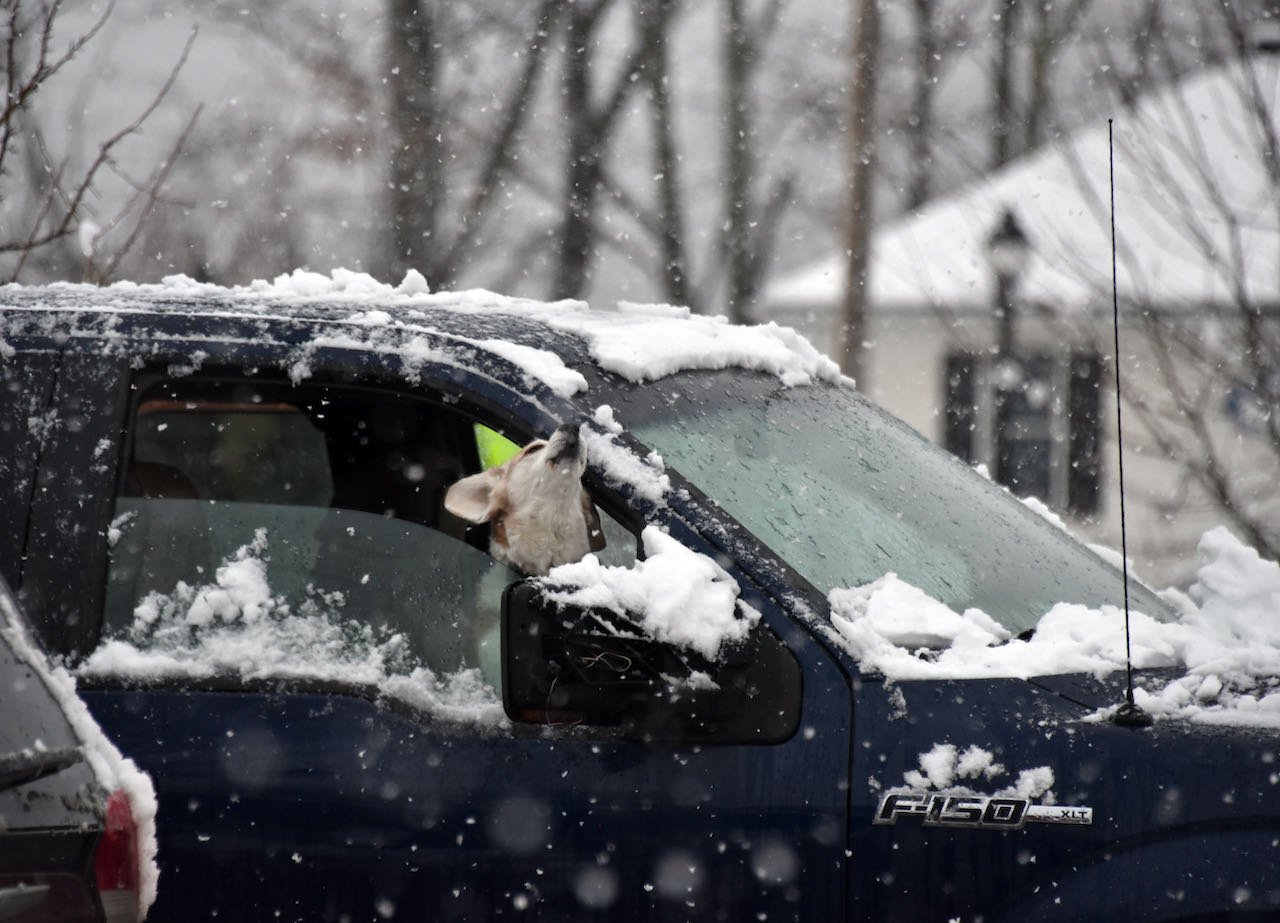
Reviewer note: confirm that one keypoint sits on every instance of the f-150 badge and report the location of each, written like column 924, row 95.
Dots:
column 976, row 811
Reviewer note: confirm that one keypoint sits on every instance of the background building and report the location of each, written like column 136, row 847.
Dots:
column 990, row 320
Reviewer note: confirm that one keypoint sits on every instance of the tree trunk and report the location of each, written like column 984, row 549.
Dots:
column 920, row 162
column 656, row 19
column 416, row 138
column 1002, row 87
column 738, row 157
column 582, row 173
column 866, row 44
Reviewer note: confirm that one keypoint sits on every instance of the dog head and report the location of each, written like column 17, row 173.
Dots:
column 539, row 515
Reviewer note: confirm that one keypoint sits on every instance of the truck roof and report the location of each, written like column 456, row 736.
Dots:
column 636, row 342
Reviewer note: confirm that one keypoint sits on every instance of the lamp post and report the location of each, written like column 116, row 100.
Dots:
column 1007, row 253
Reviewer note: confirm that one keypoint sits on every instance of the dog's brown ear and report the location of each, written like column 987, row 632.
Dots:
column 595, row 534
column 473, row 498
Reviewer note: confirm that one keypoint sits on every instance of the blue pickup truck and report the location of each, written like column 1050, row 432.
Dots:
column 224, row 508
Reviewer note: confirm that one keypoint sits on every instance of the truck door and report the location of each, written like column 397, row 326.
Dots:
column 292, row 640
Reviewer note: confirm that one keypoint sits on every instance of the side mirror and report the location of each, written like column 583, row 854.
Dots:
column 569, row 666
column 580, row 666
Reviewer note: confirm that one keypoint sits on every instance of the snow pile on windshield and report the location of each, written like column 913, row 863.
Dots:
column 235, row 627
column 1228, row 639
column 112, row 770
column 675, row 595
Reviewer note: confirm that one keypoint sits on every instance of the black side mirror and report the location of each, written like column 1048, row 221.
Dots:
column 567, row 666
column 562, row 665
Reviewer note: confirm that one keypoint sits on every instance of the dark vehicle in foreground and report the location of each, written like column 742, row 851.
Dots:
column 68, row 846
column 226, row 508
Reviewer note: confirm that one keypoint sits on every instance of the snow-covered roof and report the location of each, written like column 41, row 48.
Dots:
column 636, row 342
column 1196, row 213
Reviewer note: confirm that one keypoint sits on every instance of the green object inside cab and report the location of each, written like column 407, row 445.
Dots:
column 494, row 448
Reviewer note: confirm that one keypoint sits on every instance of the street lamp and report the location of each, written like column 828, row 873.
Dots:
column 1007, row 253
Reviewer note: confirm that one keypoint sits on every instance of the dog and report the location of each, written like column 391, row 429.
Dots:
column 538, row 512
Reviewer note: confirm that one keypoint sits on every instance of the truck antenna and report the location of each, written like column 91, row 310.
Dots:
column 1129, row 714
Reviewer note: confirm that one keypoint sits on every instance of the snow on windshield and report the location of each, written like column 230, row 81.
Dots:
column 1227, row 639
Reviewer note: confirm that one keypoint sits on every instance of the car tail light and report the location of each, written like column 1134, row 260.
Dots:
column 116, row 862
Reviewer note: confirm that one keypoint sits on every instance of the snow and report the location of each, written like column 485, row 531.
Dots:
column 675, row 595
column 539, row 364
column 638, row 342
column 946, row 769
column 646, row 477
column 1227, row 639
column 113, row 771
column 646, row 342
column 234, row 626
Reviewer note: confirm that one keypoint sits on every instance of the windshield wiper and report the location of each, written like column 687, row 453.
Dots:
column 29, row 765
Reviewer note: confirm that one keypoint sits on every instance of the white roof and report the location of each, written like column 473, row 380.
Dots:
column 1196, row 213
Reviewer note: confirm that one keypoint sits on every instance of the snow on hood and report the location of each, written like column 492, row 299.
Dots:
column 674, row 595
column 112, row 770
column 1228, row 639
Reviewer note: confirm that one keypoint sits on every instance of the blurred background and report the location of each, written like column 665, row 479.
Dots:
column 920, row 186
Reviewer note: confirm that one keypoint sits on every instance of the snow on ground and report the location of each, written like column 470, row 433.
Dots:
column 113, row 771
column 1227, row 639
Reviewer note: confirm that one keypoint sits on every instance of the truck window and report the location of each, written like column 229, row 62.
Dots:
column 245, row 502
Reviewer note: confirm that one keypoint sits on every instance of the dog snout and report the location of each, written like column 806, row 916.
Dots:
column 565, row 443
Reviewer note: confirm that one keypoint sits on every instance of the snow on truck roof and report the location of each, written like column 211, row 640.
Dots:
column 637, row 342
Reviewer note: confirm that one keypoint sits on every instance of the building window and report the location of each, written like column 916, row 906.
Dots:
column 1033, row 420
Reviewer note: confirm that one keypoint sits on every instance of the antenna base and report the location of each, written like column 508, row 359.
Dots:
column 1131, row 715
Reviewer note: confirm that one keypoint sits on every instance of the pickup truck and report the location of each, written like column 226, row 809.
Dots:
column 223, row 509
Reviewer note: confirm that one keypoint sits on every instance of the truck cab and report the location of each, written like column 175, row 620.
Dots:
column 225, row 509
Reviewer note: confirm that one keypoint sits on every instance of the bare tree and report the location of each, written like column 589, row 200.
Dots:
column 594, row 105
column 1204, row 374
column 1002, row 101
column 862, row 151
column 655, row 23
column 752, row 206
column 49, row 199
column 415, row 137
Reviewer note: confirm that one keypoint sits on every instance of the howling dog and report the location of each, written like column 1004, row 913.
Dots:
column 539, row 515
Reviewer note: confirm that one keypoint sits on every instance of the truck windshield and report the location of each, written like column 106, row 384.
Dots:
column 845, row 494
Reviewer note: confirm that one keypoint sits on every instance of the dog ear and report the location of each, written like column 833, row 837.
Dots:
column 473, row 498
column 595, row 533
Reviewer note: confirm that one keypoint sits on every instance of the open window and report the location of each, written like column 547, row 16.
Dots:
column 254, row 515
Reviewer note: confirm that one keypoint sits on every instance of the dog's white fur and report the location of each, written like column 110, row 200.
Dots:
column 539, row 515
